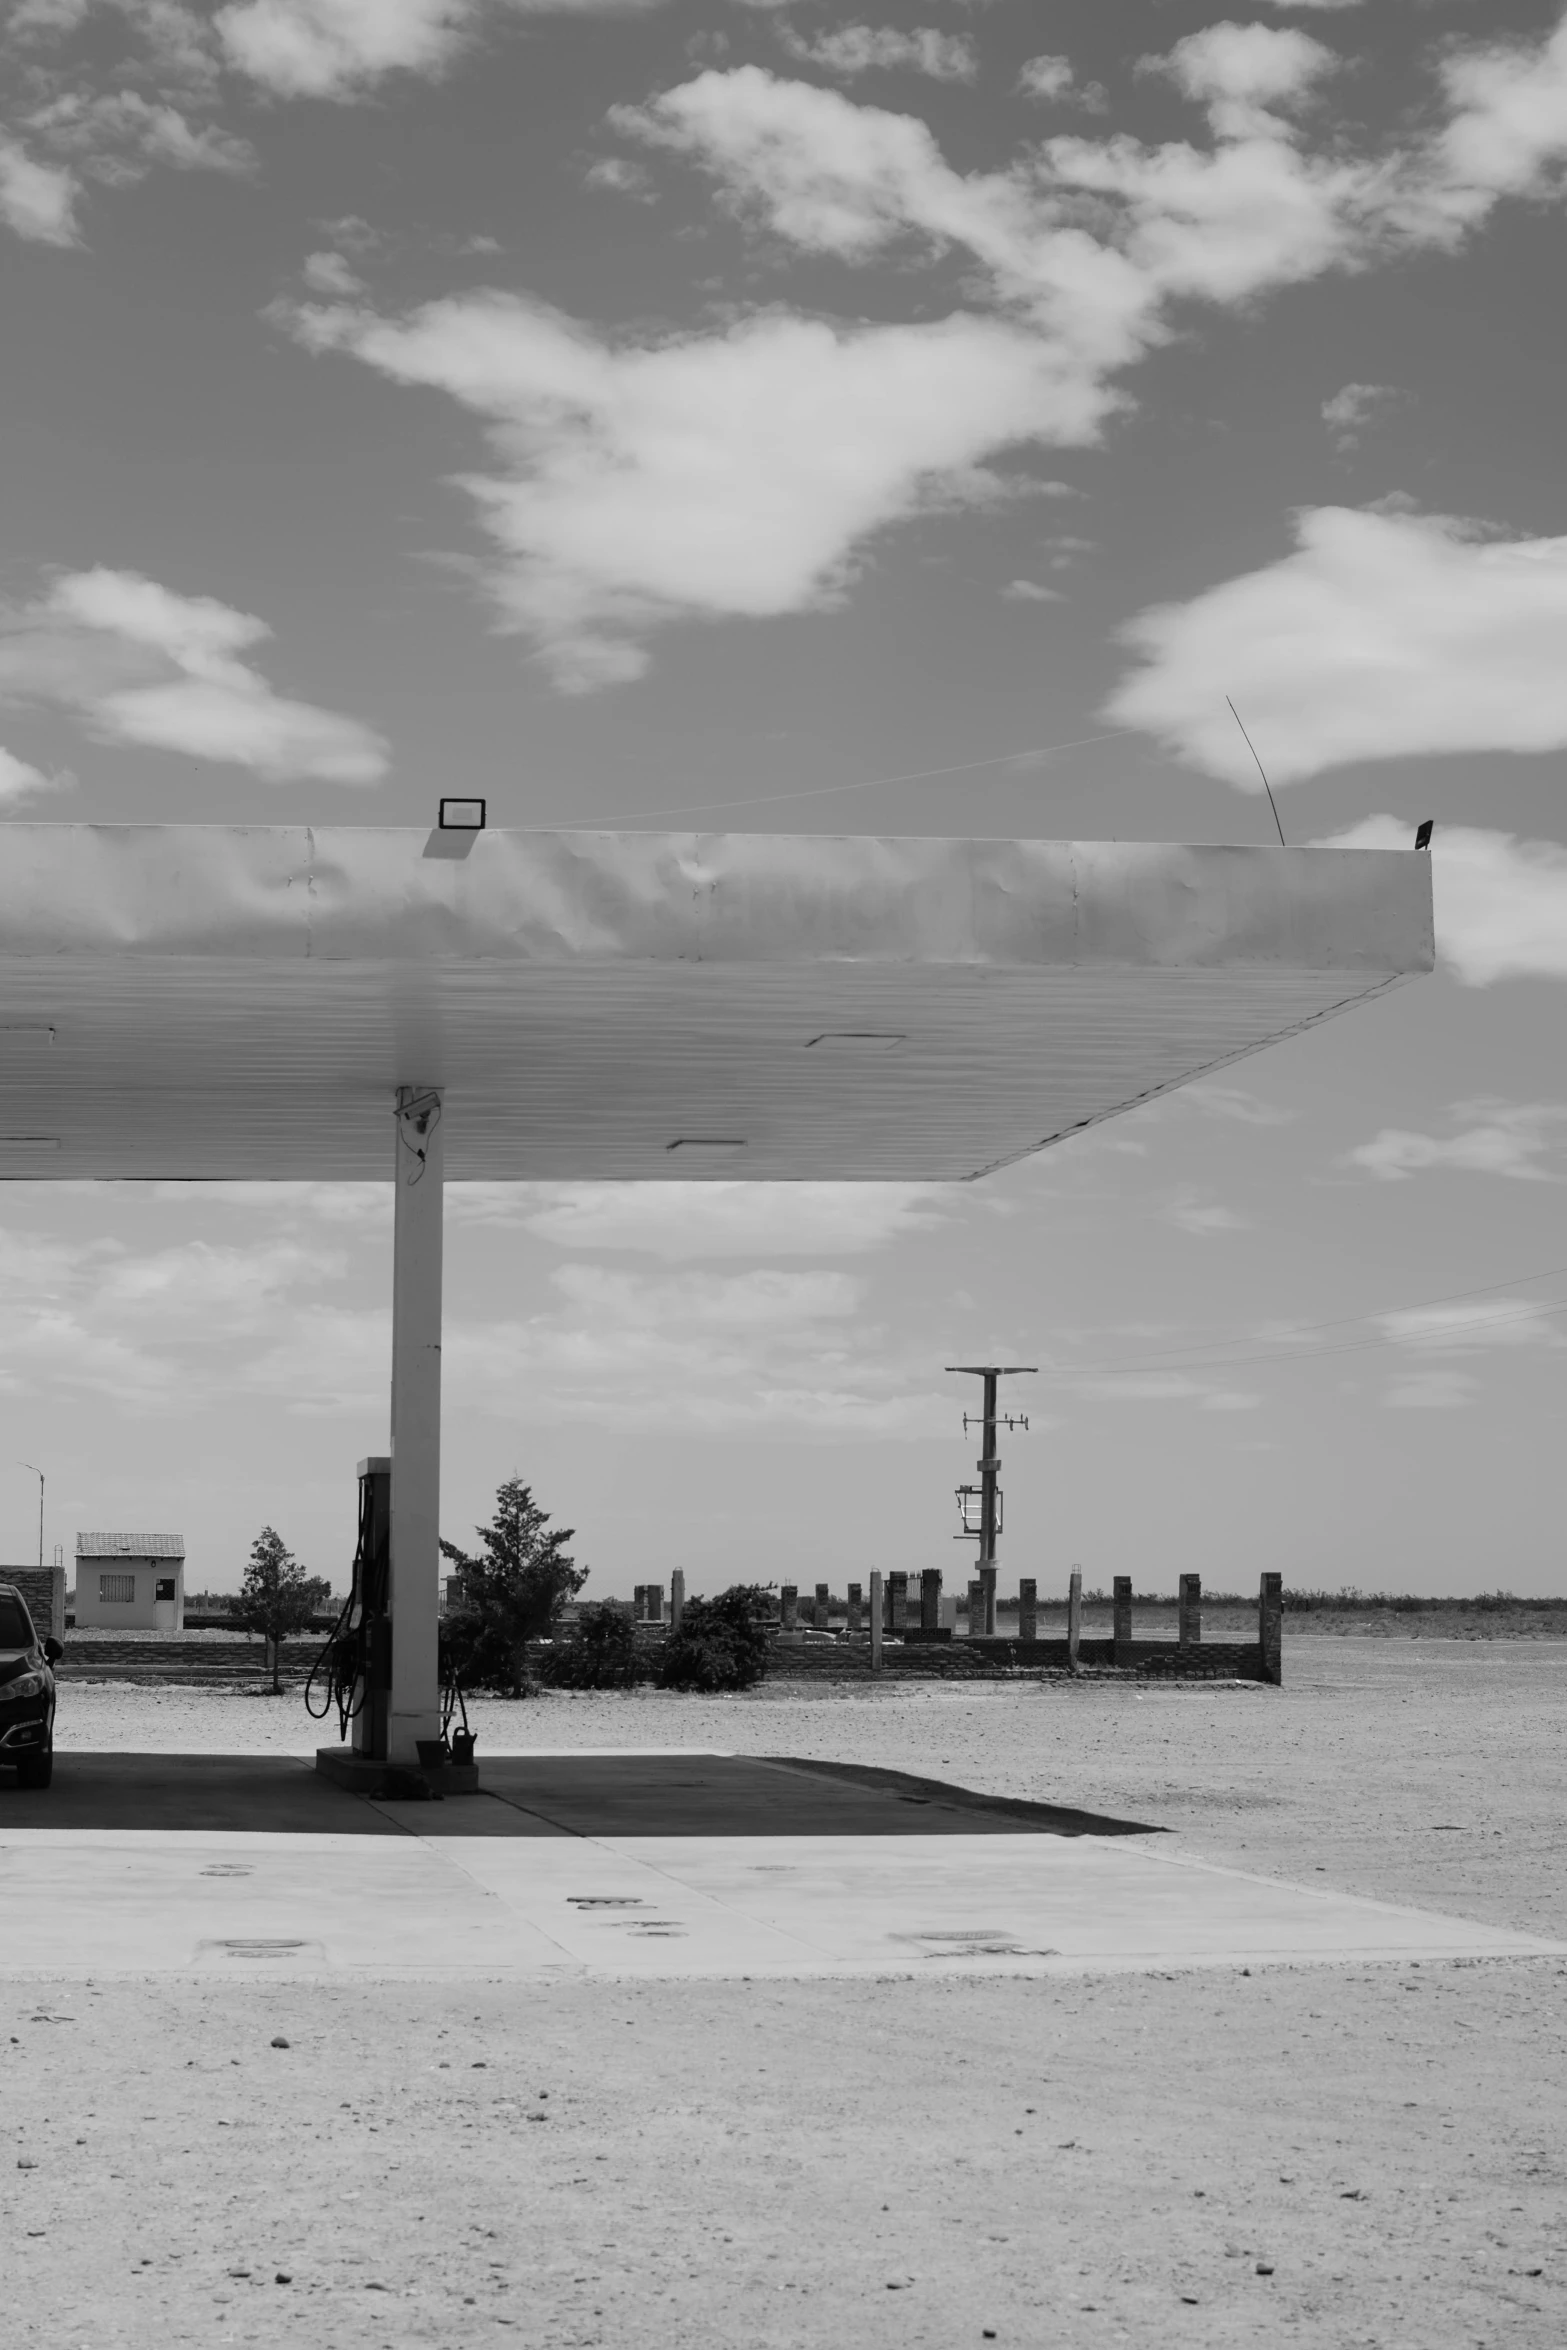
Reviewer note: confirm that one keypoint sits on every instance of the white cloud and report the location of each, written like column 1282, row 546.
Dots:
column 1202, row 1218
column 148, row 1330
column 106, row 114
column 187, row 1285
column 1444, row 1390
column 1029, row 591
column 1500, row 903
column 762, row 1351
column 1508, row 130
column 1046, row 77
column 708, row 474
column 339, row 49
column 334, row 48
column 757, row 1350
column 350, row 233
column 329, row 273
column 137, row 663
column 1233, row 1103
column 1130, row 1387
column 1470, row 1327
column 364, row 1204
column 735, row 472
column 1244, row 71
column 620, row 178
column 818, row 169
column 1354, row 406
column 862, row 48
column 279, row 1313
column 19, row 781
column 1383, row 636
column 37, row 200
column 684, row 1220
column 755, row 1300
column 111, row 107
column 1509, row 1140
column 120, row 135
column 738, row 471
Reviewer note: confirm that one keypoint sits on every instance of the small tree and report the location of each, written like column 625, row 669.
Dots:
column 277, row 1597
column 722, row 1643
column 512, row 1591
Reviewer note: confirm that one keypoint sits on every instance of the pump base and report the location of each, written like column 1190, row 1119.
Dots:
column 362, row 1776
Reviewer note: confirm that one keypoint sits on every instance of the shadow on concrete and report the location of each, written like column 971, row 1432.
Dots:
column 533, row 1795
column 219, row 1793
column 1006, row 1815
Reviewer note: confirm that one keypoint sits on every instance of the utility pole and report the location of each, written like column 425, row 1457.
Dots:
column 988, row 1492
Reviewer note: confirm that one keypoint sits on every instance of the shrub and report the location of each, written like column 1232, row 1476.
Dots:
column 722, row 1643
column 600, row 1654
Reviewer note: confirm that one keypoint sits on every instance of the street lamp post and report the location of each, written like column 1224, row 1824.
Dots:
column 38, row 1473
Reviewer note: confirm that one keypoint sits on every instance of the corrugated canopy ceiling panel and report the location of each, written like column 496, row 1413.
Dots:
column 214, row 1002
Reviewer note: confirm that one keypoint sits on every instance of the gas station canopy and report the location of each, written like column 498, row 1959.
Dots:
column 208, row 1003
column 214, row 1002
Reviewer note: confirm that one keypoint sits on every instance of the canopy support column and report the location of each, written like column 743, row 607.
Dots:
column 416, row 1423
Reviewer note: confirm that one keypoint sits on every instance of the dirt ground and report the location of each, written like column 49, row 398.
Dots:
column 1322, row 2156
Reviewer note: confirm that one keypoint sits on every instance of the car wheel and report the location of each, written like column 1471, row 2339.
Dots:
column 37, row 1770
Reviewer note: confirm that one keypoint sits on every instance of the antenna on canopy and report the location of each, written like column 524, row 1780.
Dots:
column 1261, row 770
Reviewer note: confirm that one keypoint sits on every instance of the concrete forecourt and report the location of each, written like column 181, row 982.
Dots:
column 948, row 2144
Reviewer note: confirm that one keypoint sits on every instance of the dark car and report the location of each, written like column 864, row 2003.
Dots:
column 26, row 1692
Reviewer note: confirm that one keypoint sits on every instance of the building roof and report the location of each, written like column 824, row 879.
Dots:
column 130, row 1546
column 226, row 1001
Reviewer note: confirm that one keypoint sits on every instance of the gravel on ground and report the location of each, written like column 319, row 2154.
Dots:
column 1330, row 2156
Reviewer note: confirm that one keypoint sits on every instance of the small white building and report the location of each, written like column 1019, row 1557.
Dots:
column 131, row 1582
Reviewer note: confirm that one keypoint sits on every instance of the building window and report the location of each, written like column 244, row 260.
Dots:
column 165, row 1587
column 119, row 1588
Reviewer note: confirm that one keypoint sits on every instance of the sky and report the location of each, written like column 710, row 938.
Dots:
column 715, row 414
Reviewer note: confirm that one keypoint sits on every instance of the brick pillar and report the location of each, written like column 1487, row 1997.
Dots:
column 930, row 1599
column 824, row 1607
column 876, row 1626
column 1123, row 1618
column 1074, row 1616
column 655, row 1603
column 987, row 1584
column 1028, row 1609
column 898, row 1595
column 1189, row 1631
column 677, row 1598
column 789, row 1607
column 856, row 1608
column 43, row 1588
column 976, row 1611
column 1270, row 1628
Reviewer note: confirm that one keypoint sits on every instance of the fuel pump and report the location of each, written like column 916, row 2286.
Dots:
column 371, row 1629
column 354, row 1670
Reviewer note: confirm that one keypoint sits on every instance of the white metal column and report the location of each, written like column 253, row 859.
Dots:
column 416, row 1423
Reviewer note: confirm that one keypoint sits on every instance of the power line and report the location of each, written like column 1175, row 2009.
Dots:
column 1306, row 1354
column 823, row 791
column 1207, row 1356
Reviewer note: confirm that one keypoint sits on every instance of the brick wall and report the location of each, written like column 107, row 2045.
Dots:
column 43, row 1588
